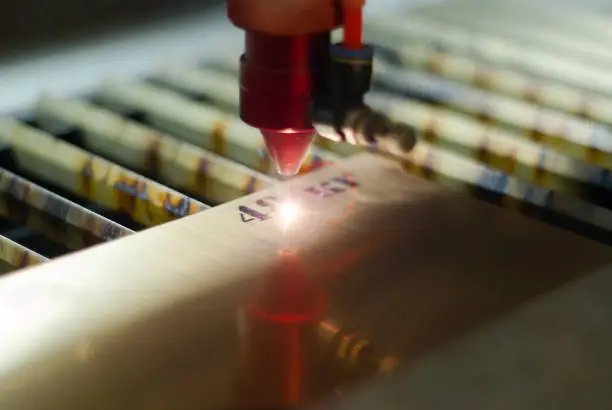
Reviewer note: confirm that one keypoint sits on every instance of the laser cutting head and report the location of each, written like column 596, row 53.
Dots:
column 288, row 148
column 279, row 76
column 285, row 81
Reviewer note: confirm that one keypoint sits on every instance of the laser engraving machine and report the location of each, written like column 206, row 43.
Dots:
column 153, row 259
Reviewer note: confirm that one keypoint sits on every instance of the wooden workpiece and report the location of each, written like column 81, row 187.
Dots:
column 409, row 265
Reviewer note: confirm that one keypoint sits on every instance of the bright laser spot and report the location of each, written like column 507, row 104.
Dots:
column 288, row 212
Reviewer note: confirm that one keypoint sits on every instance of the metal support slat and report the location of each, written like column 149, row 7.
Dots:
column 89, row 176
column 146, row 150
column 204, row 126
column 18, row 256
column 43, row 211
column 460, row 166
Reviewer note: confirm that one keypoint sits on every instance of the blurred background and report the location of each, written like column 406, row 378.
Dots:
column 43, row 29
column 34, row 23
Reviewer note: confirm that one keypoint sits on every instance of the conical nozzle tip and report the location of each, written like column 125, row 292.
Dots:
column 288, row 148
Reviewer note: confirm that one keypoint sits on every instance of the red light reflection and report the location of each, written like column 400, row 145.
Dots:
column 279, row 336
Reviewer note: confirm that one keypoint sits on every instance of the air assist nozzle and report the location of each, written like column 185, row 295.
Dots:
column 288, row 148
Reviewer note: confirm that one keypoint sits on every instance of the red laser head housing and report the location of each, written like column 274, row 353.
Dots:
column 285, row 79
column 279, row 79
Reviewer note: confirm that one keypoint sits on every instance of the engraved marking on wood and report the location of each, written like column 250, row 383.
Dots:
column 339, row 185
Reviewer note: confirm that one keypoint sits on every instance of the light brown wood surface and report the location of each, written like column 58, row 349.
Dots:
column 149, row 321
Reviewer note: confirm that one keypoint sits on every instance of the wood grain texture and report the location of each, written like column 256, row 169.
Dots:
column 149, row 321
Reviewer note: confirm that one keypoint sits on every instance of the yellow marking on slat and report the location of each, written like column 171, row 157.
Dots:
column 219, row 138
column 584, row 109
column 482, row 152
column 251, row 185
column 482, row 79
column 86, row 177
column 153, row 160
column 430, row 130
column 435, row 62
column 126, row 202
column 595, row 155
column 505, row 163
column 202, row 179
column 409, row 166
column 484, row 116
column 532, row 93
column 536, row 135
column 540, row 174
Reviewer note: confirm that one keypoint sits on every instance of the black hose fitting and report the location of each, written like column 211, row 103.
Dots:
column 350, row 80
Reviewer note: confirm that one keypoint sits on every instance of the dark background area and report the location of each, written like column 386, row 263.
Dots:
column 30, row 24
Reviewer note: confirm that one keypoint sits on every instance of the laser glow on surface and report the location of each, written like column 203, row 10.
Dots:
column 288, row 213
